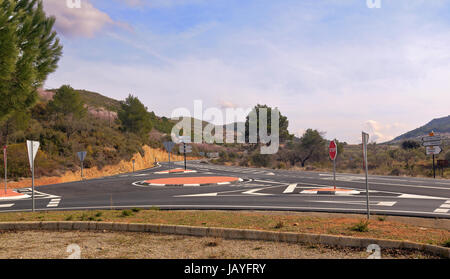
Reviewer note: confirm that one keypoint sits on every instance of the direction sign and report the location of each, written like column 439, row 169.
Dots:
column 333, row 150
column 431, row 138
column 82, row 155
column 33, row 147
column 432, row 143
column 433, row 150
column 169, row 145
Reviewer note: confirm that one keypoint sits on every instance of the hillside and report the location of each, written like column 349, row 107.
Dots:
column 61, row 135
column 438, row 125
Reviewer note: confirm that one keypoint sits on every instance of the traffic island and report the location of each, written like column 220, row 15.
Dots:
column 191, row 181
column 11, row 195
column 176, row 171
column 330, row 191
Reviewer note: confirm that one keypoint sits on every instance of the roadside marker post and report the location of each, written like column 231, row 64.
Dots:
column 134, row 161
column 32, row 147
column 365, row 141
column 6, row 167
column 333, row 155
column 82, row 156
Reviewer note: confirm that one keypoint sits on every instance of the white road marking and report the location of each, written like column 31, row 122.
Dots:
column 6, row 205
column 267, row 181
column 444, row 208
column 441, row 210
column 386, row 203
column 253, row 192
column 290, row 188
column 374, row 203
column 201, row 195
column 408, row 196
column 54, row 203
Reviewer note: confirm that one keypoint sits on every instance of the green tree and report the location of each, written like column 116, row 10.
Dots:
column 312, row 145
column 67, row 102
column 283, row 122
column 410, row 144
column 17, row 121
column 134, row 116
column 29, row 52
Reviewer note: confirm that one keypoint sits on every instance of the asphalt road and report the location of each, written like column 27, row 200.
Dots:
column 261, row 190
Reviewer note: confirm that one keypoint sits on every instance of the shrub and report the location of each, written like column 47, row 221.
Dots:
column 361, row 226
column 126, row 213
column 446, row 243
column 279, row 225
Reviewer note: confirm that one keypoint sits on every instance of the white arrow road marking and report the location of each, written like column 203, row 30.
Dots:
column 6, row 205
column 290, row 188
column 54, row 203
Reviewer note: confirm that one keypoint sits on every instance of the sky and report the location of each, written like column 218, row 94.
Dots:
column 333, row 65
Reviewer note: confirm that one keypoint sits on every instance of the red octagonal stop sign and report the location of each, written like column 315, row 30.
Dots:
column 333, row 150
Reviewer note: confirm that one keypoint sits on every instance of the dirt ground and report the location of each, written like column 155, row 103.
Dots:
column 127, row 245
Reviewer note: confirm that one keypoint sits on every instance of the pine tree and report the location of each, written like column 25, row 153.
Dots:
column 67, row 102
column 29, row 52
column 134, row 116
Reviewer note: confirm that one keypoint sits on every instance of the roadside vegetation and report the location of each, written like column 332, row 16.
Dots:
column 310, row 153
column 385, row 228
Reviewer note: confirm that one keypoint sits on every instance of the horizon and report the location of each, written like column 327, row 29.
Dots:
column 338, row 67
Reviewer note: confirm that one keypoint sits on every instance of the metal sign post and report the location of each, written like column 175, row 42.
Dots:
column 82, row 156
column 432, row 145
column 365, row 141
column 168, row 145
column 32, row 147
column 184, row 149
column 6, row 167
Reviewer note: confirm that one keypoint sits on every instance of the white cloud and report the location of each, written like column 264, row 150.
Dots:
column 382, row 132
column 85, row 21
column 394, row 74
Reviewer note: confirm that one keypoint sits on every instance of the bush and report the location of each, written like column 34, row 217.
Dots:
column 446, row 243
column 361, row 226
column 126, row 213
column 410, row 144
column 260, row 160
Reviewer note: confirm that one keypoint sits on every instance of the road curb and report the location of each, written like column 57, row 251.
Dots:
column 144, row 183
column 227, row 233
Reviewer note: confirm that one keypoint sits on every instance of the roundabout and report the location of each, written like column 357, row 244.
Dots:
column 190, row 181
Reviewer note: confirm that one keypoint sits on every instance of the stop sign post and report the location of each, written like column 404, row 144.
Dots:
column 333, row 155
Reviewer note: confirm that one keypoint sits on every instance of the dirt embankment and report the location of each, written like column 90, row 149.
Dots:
column 141, row 162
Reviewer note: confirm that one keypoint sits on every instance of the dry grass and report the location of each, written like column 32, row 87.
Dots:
column 382, row 228
column 125, row 245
